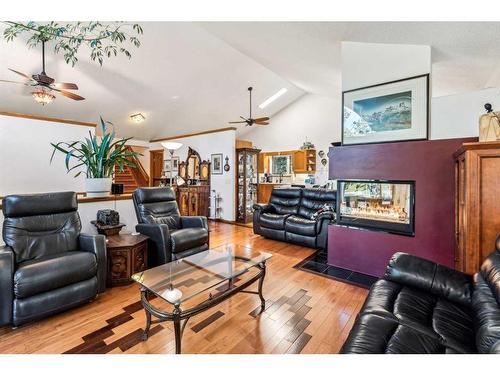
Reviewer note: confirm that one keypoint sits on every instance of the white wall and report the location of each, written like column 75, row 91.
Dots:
column 206, row 145
column 457, row 116
column 366, row 64
column 25, row 152
column 314, row 117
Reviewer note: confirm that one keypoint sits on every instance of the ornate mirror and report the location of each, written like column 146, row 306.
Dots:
column 193, row 165
column 183, row 170
column 204, row 170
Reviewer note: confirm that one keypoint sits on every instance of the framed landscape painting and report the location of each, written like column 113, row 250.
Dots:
column 389, row 112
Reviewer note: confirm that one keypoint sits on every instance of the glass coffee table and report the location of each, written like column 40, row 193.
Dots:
column 198, row 282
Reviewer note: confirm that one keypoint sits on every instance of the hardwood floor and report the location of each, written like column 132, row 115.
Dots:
column 305, row 313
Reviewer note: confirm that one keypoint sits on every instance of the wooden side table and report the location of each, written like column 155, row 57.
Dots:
column 127, row 254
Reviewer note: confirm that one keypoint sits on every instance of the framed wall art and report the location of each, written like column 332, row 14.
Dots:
column 216, row 164
column 388, row 112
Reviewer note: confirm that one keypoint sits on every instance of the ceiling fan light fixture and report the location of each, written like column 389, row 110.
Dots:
column 43, row 95
column 138, row 118
column 273, row 98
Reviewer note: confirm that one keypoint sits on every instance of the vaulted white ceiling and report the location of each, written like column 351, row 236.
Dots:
column 189, row 77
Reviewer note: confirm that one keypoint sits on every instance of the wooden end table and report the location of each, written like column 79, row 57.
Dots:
column 127, row 254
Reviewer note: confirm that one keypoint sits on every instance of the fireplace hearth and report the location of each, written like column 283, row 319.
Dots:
column 377, row 204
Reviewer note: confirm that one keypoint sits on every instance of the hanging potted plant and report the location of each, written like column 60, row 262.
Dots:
column 98, row 156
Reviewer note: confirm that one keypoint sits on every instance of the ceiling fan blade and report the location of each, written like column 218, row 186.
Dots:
column 262, row 123
column 244, row 118
column 65, row 85
column 69, row 94
column 21, row 74
column 20, row 83
column 261, row 119
column 236, row 122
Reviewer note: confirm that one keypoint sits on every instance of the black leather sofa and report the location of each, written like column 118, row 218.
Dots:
column 291, row 216
column 422, row 307
column 47, row 266
column 171, row 236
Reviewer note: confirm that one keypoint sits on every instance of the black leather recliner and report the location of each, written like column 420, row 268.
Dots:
column 171, row 236
column 291, row 216
column 47, row 265
column 422, row 307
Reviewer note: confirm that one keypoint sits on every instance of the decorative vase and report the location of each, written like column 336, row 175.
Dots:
column 489, row 125
column 98, row 187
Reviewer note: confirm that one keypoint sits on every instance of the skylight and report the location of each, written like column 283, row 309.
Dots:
column 272, row 98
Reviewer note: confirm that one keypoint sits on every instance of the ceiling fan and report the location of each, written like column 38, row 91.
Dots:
column 45, row 85
column 250, row 121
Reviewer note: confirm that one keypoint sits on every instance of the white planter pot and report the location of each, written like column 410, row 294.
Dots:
column 98, row 187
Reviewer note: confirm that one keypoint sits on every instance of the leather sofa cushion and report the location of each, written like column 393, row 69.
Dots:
column 300, row 225
column 314, row 199
column 376, row 334
column 41, row 275
column 486, row 316
column 160, row 213
column 45, row 304
column 285, row 201
column 184, row 239
column 273, row 221
column 40, row 225
column 157, row 206
column 35, row 237
column 450, row 322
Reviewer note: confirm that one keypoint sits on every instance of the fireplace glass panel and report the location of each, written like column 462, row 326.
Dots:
column 381, row 205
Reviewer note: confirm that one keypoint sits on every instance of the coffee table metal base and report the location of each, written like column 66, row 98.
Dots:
column 180, row 317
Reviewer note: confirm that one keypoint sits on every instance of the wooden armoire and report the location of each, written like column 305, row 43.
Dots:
column 477, row 203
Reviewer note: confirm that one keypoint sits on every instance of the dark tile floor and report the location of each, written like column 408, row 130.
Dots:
column 317, row 263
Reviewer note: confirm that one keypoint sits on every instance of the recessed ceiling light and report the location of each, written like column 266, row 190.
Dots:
column 175, row 97
column 273, row 98
column 138, row 118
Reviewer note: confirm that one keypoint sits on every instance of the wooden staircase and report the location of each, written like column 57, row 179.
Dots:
column 131, row 178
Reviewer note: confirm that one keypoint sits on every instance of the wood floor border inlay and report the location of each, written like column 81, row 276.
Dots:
column 305, row 313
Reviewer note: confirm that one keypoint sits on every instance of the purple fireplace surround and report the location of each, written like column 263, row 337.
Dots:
column 430, row 164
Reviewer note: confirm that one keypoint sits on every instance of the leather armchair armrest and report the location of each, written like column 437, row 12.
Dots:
column 325, row 216
column 159, row 251
column 431, row 277
column 96, row 243
column 194, row 222
column 261, row 207
column 7, row 262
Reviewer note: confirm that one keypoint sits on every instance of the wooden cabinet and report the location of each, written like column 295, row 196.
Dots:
column 247, row 183
column 477, row 203
column 194, row 200
column 126, row 255
column 303, row 161
column 299, row 161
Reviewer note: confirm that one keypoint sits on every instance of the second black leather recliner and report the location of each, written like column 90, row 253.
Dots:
column 171, row 236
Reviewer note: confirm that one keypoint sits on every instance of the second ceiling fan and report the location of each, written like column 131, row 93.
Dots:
column 250, row 121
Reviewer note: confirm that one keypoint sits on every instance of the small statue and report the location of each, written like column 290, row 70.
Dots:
column 489, row 125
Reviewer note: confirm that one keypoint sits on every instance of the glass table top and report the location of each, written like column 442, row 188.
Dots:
column 182, row 279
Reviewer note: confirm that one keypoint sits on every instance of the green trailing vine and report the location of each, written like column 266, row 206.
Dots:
column 104, row 40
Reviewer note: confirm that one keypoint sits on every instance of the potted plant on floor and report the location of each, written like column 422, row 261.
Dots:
column 98, row 156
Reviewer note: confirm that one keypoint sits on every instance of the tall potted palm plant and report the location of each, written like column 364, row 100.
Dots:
column 98, row 157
